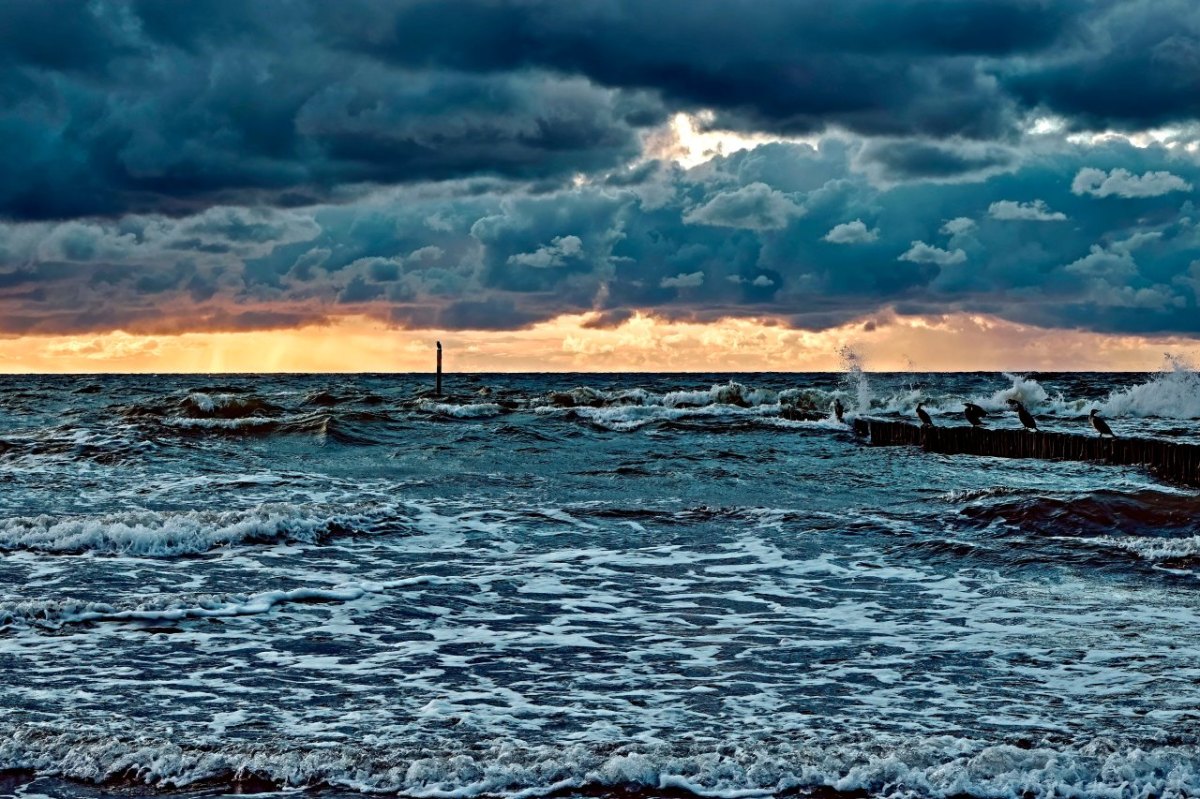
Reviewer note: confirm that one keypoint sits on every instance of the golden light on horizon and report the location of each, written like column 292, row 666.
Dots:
column 643, row 343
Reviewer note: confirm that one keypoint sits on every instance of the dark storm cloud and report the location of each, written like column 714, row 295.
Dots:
column 483, row 163
column 1134, row 64
column 151, row 105
column 933, row 67
column 175, row 107
column 876, row 66
column 160, row 106
column 892, row 160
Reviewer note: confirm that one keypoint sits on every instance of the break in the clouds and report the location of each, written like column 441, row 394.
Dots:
column 490, row 164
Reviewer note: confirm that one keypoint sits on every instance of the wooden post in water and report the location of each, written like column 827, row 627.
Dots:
column 437, row 391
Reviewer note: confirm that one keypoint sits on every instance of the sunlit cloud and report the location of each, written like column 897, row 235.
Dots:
column 689, row 141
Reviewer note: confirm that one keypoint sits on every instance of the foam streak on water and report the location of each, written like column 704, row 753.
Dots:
column 588, row 585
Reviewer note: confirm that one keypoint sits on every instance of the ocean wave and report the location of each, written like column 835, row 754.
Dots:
column 935, row 767
column 626, row 418
column 249, row 423
column 163, row 533
column 628, row 410
column 1156, row 550
column 1026, row 390
column 476, row 410
column 1172, row 393
column 1150, row 513
column 200, row 405
column 731, row 394
column 55, row 614
column 973, row 494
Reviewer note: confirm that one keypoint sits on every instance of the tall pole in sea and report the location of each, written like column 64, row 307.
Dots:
column 437, row 391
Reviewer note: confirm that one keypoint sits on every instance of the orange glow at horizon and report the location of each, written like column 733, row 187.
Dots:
column 643, row 343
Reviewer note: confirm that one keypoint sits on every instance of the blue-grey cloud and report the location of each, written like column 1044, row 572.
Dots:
column 498, row 255
column 1122, row 183
column 113, row 106
column 492, row 163
column 756, row 207
column 1033, row 211
column 854, row 232
column 921, row 253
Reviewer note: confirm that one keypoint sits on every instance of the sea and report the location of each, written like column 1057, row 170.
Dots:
column 589, row 585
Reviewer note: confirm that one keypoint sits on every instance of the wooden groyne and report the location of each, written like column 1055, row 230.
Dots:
column 1170, row 460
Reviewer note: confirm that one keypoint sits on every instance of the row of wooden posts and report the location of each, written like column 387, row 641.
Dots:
column 1170, row 460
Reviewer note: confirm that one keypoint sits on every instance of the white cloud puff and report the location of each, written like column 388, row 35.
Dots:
column 550, row 255
column 1123, row 183
column 1036, row 211
column 922, row 253
column 855, row 232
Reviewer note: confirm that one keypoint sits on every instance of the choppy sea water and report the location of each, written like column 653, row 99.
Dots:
column 577, row 585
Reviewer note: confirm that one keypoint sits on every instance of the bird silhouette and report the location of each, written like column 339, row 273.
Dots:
column 923, row 415
column 839, row 410
column 1101, row 426
column 1024, row 415
column 975, row 415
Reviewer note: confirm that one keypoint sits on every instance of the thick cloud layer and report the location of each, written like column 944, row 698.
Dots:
column 745, row 234
column 154, row 105
column 492, row 163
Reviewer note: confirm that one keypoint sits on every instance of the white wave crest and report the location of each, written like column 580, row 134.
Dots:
column 470, row 411
column 1155, row 549
column 200, row 404
column 624, row 418
column 237, row 423
column 939, row 767
column 162, row 533
column 1173, row 393
column 730, row 393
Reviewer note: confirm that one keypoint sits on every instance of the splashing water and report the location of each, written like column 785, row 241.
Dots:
column 1025, row 390
column 1173, row 393
column 856, row 380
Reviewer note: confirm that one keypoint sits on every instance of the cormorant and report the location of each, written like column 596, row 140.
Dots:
column 839, row 410
column 1025, row 416
column 923, row 415
column 1101, row 426
column 974, row 414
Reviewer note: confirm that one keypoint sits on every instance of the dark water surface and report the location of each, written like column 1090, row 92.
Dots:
column 587, row 585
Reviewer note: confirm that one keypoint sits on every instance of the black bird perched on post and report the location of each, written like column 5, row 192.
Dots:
column 923, row 415
column 1025, row 416
column 1101, row 426
column 974, row 414
column 839, row 410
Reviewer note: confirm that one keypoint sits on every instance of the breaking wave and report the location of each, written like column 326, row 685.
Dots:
column 162, row 533
column 55, row 614
column 199, row 405
column 1173, row 393
column 939, row 767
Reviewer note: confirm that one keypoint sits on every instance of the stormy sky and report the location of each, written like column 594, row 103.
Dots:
column 169, row 167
